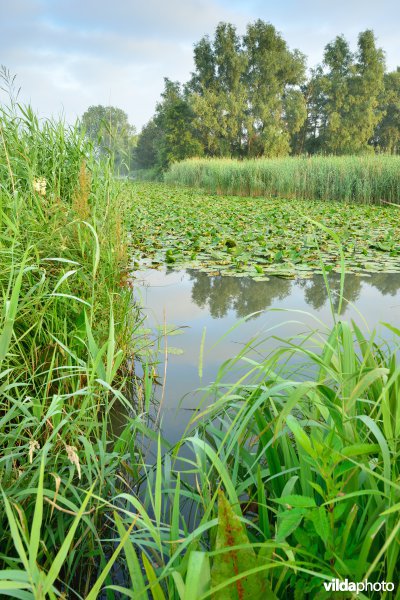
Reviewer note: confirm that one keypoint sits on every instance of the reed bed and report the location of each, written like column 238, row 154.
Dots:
column 367, row 179
column 66, row 326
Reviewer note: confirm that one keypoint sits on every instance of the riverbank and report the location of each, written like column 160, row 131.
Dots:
column 66, row 332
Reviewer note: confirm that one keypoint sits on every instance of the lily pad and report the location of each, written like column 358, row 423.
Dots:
column 259, row 237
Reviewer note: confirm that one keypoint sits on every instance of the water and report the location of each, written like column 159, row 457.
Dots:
column 193, row 301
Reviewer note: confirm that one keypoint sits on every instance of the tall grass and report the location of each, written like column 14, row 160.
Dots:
column 289, row 479
column 346, row 178
column 66, row 326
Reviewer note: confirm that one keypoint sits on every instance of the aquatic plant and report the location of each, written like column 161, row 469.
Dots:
column 366, row 179
column 258, row 237
column 65, row 336
column 287, row 477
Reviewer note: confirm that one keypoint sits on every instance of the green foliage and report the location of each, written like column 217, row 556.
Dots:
column 218, row 92
column 387, row 134
column 174, row 117
column 313, row 460
column 272, row 72
column 305, row 444
column 64, row 329
column 236, row 557
column 295, row 108
column 366, row 179
column 257, row 237
column 146, row 148
column 344, row 97
column 249, row 97
column 111, row 134
column 170, row 136
column 32, row 151
column 243, row 89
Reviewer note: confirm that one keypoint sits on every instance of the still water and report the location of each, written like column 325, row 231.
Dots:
column 194, row 302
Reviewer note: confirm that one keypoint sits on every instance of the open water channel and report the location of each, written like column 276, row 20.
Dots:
column 192, row 302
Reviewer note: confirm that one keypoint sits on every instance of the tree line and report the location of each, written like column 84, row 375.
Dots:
column 250, row 96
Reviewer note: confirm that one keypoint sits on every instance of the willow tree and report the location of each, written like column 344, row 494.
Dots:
column 146, row 155
column 112, row 135
column 347, row 91
column 245, row 91
column 387, row 133
column 219, row 93
column 272, row 76
column 366, row 87
column 174, row 120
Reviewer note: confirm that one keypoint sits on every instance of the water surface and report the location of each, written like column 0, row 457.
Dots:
column 194, row 301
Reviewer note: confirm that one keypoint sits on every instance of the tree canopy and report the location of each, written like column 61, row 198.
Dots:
column 249, row 96
column 344, row 96
column 111, row 133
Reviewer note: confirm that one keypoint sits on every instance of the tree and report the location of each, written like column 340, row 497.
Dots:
column 295, row 114
column 311, row 137
column 272, row 70
column 174, row 120
column 366, row 88
column 147, row 144
column 245, row 92
column 248, row 96
column 218, row 92
column 343, row 106
column 111, row 134
column 338, row 59
column 387, row 133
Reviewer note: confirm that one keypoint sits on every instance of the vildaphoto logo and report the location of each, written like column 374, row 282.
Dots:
column 335, row 585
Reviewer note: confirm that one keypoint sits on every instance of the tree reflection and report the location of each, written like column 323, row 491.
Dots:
column 316, row 293
column 245, row 296
column 387, row 283
column 241, row 294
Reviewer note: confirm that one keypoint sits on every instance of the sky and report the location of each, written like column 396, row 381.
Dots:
column 69, row 54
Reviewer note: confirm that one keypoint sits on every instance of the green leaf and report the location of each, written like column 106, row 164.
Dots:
column 155, row 587
column 288, row 521
column 239, row 559
column 301, row 437
column 297, row 501
column 321, row 523
column 61, row 555
column 135, row 572
column 198, row 577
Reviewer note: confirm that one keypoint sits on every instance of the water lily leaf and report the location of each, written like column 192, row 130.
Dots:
column 172, row 226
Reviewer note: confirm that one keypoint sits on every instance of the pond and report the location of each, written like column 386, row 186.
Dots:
column 193, row 302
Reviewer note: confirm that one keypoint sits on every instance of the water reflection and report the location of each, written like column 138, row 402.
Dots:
column 197, row 302
column 244, row 295
column 241, row 294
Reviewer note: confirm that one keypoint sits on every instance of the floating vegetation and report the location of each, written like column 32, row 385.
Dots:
column 259, row 237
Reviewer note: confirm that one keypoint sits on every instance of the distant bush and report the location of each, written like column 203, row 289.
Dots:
column 153, row 174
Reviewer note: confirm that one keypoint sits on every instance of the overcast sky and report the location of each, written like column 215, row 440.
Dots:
column 72, row 54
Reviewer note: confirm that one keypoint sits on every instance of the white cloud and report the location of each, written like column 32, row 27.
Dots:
column 70, row 55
